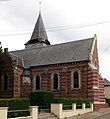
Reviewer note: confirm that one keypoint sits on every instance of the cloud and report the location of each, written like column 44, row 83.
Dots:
column 18, row 15
column 104, row 65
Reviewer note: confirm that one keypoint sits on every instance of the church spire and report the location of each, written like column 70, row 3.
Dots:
column 39, row 35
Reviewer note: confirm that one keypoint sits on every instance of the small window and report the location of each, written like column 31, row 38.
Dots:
column 55, row 81
column 76, row 80
column 5, row 82
column 38, row 82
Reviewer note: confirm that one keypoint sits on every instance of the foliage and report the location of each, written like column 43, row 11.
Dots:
column 67, row 102
column 0, row 48
column 41, row 98
column 15, row 104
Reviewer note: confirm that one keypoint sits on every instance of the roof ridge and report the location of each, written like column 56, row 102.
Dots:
column 71, row 42
column 53, row 45
column 15, row 55
column 62, row 43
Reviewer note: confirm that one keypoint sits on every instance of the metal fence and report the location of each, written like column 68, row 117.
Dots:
column 44, row 109
column 18, row 113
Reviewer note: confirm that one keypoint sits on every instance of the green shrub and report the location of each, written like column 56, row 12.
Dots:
column 15, row 104
column 67, row 102
column 41, row 98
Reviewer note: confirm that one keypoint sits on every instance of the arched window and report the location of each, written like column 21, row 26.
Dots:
column 76, row 80
column 38, row 83
column 5, row 82
column 55, row 81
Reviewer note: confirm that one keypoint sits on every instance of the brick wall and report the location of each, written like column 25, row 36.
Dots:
column 65, row 71
column 14, row 77
column 17, row 81
column 25, row 89
column 91, row 83
column 6, row 67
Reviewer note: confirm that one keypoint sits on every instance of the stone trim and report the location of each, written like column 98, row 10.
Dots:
column 52, row 76
column 72, row 78
column 97, row 102
column 34, row 81
column 95, row 87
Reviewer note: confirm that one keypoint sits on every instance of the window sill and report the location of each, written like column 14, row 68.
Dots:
column 4, row 90
column 76, row 89
column 55, row 90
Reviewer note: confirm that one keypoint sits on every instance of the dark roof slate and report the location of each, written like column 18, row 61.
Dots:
column 55, row 54
column 17, row 58
column 39, row 34
column 106, row 82
column 26, row 72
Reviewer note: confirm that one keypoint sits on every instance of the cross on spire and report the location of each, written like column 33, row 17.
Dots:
column 40, row 7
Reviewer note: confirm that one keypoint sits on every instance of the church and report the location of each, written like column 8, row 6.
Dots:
column 69, row 70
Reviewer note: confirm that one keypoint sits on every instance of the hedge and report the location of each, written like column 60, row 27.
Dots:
column 45, row 98
column 16, row 104
column 67, row 102
column 41, row 98
column 71, row 100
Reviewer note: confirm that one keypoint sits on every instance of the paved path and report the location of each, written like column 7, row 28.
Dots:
column 101, row 114
column 105, row 116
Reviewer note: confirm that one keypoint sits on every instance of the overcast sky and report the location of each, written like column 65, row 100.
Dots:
column 65, row 20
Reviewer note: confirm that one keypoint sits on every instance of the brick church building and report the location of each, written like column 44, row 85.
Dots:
column 69, row 70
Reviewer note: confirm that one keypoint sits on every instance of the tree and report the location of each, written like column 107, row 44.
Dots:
column 0, row 54
column 0, row 48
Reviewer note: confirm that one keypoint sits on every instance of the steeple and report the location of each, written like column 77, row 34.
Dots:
column 39, row 35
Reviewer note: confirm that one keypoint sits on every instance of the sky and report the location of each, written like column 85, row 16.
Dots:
column 65, row 21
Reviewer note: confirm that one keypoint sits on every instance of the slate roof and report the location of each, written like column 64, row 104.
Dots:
column 39, row 34
column 17, row 58
column 106, row 82
column 26, row 72
column 55, row 54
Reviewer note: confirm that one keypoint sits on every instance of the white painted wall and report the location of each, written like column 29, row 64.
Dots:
column 61, row 114
column 33, row 113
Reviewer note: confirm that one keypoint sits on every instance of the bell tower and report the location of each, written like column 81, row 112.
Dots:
column 39, row 36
